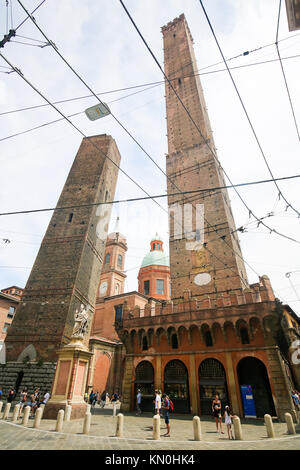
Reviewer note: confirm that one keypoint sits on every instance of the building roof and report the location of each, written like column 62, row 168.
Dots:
column 156, row 257
column 157, row 237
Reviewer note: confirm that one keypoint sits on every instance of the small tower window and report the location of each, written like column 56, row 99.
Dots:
column 70, row 217
column 153, row 246
column 107, row 258
column 208, row 339
column 146, row 287
column 174, row 341
column 244, row 336
column 159, row 286
column 120, row 261
column 145, row 344
column 118, row 313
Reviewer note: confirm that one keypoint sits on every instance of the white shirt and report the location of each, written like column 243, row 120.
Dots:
column 46, row 397
column 157, row 402
column 139, row 398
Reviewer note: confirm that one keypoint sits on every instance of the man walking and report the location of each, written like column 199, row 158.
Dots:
column 166, row 411
column 138, row 403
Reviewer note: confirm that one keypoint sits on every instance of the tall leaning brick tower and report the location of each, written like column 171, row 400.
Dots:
column 211, row 260
column 67, row 268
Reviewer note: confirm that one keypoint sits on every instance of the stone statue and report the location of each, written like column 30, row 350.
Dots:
column 81, row 321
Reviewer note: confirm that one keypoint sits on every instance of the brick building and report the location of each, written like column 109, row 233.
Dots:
column 218, row 334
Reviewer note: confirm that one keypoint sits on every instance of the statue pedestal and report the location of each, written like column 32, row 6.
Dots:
column 69, row 380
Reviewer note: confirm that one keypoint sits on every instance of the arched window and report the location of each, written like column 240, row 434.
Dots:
column 208, row 338
column 153, row 246
column 145, row 344
column 120, row 261
column 244, row 336
column 174, row 341
column 107, row 258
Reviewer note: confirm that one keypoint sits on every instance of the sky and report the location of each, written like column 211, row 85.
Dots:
column 99, row 41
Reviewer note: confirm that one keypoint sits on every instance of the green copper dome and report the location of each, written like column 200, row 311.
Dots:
column 155, row 257
column 157, row 237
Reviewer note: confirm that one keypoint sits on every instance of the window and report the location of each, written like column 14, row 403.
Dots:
column 5, row 328
column 174, row 341
column 70, row 217
column 208, row 339
column 107, row 258
column 118, row 313
column 153, row 246
column 11, row 312
column 244, row 336
column 146, row 287
column 159, row 286
column 145, row 344
column 120, row 261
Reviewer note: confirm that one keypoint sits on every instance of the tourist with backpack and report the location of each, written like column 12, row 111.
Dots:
column 166, row 410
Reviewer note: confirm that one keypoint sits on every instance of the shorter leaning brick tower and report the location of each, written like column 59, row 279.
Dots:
column 67, row 268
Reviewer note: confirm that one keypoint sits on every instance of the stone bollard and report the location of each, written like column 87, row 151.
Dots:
column 16, row 413
column 120, row 425
column 1, row 404
column 197, row 428
column 6, row 411
column 87, row 423
column 68, row 412
column 37, row 418
column 269, row 426
column 114, row 409
column 60, row 420
column 237, row 428
column 289, row 423
column 42, row 407
column 156, row 427
column 88, row 408
column 26, row 415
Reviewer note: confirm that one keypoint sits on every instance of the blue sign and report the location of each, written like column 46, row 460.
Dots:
column 248, row 401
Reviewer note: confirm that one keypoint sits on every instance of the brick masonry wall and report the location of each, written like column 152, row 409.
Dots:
column 67, row 269
column 192, row 166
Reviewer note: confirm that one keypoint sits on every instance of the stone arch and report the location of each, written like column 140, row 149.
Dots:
column 206, row 335
column 170, row 332
column 141, row 335
column 28, row 354
column 216, row 331
column 150, row 336
column 242, row 331
column 254, row 326
column 252, row 374
column 144, row 381
column 212, row 380
column 176, row 385
column 181, row 332
column 159, row 333
column 193, row 334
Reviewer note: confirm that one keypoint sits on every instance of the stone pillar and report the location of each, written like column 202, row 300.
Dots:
column 60, row 421
column 6, row 411
column 37, row 418
column 238, row 434
column 156, row 427
column 193, row 385
column 69, row 380
column 42, row 407
column 87, row 423
column 120, row 425
column 16, row 413
column 158, row 381
column 289, row 423
column 127, row 381
column 114, row 409
column 1, row 405
column 232, row 386
column 269, row 425
column 283, row 401
column 197, row 428
column 68, row 412
column 26, row 415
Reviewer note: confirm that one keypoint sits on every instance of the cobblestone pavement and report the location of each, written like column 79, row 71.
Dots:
column 138, row 435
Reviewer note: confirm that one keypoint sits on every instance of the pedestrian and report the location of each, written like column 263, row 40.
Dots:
column 138, row 403
column 91, row 397
column 166, row 413
column 98, row 398
column 86, row 397
column 94, row 399
column 114, row 397
column 216, row 409
column 1, row 393
column 45, row 399
column 227, row 416
column 296, row 400
column 157, row 402
column 103, row 399
column 23, row 399
column 11, row 395
column 32, row 404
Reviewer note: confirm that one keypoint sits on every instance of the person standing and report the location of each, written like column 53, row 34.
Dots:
column 166, row 412
column 103, row 399
column 296, row 400
column 1, row 393
column 228, row 422
column 138, row 403
column 216, row 409
column 23, row 399
column 11, row 395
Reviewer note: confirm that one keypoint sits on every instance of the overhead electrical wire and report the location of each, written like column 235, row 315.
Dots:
column 283, row 73
column 244, row 108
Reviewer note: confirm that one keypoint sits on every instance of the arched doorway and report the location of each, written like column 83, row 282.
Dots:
column 176, row 385
column 212, row 381
column 252, row 371
column 144, row 381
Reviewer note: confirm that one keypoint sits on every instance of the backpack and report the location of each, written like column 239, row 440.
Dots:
column 171, row 406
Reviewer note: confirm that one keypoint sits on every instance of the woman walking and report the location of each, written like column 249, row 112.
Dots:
column 216, row 409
